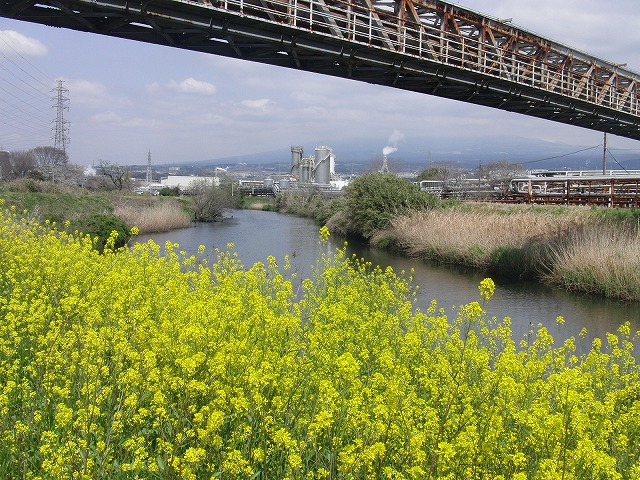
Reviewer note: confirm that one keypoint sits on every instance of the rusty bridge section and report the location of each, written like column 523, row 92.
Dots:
column 425, row 46
column 612, row 188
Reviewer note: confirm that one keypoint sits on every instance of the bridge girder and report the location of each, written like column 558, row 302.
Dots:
column 425, row 46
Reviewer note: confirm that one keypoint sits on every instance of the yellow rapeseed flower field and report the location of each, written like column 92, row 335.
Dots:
column 137, row 364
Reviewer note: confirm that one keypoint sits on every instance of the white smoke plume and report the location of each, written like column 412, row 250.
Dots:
column 387, row 150
column 395, row 137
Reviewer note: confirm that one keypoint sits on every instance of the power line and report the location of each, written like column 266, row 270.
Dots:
column 26, row 61
column 25, row 103
column 561, row 156
column 616, row 160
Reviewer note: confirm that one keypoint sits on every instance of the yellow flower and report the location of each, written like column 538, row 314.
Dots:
column 324, row 234
column 487, row 288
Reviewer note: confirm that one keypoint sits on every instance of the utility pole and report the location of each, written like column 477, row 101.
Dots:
column 61, row 127
column 604, row 155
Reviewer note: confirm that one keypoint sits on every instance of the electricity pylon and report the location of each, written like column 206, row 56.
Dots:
column 61, row 127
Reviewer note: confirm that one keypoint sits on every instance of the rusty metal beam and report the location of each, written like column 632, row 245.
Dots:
column 427, row 46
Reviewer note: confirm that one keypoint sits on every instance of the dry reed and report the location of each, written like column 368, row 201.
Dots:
column 568, row 247
column 603, row 261
column 471, row 236
column 153, row 217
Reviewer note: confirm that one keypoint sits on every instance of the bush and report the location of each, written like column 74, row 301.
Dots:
column 102, row 226
column 169, row 191
column 374, row 199
column 310, row 204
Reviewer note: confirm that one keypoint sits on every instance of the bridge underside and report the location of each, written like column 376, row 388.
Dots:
column 216, row 29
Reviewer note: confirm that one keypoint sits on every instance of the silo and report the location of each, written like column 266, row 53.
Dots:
column 305, row 169
column 322, row 166
column 296, row 157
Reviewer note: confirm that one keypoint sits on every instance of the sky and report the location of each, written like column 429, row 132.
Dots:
column 128, row 98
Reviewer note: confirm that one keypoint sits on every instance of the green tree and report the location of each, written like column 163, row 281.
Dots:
column 443, row 171
column 374, row 199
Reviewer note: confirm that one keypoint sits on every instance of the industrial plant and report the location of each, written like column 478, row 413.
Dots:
column 316, row 171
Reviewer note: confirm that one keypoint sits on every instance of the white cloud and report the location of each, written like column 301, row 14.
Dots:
column 211, row 119
column 191, row 85
column 12, row 42
column 153, row 88
column 92, row 94
column 112, row 118
column 260, row 104
column 106, row 117
column 141, row 123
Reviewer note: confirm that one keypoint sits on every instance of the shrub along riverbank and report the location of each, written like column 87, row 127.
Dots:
column 131, row 364
column 588, row 250
column 95, row 213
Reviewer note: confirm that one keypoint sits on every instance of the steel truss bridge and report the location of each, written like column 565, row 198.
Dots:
column 425, row 46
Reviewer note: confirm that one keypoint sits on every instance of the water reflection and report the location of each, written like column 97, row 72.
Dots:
column 257, row 235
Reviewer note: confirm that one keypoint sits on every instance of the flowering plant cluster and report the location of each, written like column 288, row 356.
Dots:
column 137, row 364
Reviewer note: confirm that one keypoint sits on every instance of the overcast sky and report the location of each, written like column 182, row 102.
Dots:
column 128, row 98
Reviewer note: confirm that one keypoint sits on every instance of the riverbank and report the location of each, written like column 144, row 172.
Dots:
column 588, row 250
column 95, row 213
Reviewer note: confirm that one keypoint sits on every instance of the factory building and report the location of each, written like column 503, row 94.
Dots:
column 318, row 169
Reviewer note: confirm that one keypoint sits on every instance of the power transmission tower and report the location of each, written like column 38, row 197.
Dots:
column 61, row 127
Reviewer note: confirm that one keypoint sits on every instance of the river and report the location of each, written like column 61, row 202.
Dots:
column 257, row 235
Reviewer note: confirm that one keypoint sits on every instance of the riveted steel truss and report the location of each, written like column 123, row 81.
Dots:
column 426, row 46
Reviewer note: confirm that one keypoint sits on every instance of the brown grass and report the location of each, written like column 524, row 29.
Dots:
column 471, row 235
column 25, row 185
column 603, row 261
column 568, row 247
column 152, row 215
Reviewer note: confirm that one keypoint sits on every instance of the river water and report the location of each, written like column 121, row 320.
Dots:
column 257, row 235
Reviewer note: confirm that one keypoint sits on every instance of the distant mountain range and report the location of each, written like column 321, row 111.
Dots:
column 417, row 153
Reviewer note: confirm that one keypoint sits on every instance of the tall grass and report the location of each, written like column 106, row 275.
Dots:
column 574, row 248
column 605, row 260
column 474, row 236
column 154, row 216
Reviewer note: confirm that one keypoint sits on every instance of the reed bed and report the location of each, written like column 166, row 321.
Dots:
column 573, row 248
column 602, row 261
column 150, row 217
column 473, row 236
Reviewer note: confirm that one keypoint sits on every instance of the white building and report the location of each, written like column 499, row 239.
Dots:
column 188, row 182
